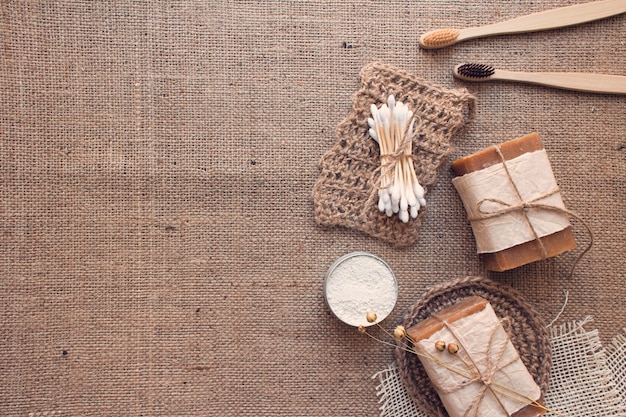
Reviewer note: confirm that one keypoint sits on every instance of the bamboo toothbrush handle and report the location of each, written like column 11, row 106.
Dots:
column 555, row 18
column 598, row 83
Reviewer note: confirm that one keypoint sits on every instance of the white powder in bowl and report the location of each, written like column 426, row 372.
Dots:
column 359, row 283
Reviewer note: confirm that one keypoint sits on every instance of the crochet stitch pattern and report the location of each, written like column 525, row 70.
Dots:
column 345, row 193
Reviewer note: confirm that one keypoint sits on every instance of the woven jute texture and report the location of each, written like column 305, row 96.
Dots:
column 346, row 194
column 527, row 331
column 159, row 252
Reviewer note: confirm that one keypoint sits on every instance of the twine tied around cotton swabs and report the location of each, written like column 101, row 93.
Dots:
column 471, row 373
column 399, row 190
column 524, row 206
column 392, row 162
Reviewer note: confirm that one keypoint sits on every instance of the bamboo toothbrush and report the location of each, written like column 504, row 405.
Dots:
column 579, row 81
column 550, row 19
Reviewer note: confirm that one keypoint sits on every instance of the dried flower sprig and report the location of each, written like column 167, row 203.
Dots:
column 400, row 192
column 406, row 343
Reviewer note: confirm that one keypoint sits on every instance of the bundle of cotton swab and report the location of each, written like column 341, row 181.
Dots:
column 400, row 192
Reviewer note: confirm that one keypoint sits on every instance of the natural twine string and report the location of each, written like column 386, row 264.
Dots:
column 472, row 373
column 530, row 336
column 485, row 378
column 389, row 161
column 525, row 206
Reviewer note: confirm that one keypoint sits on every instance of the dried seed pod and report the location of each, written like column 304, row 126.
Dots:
column 399, row 332
column 440, row 345
column 453, row 348
column 371, row 317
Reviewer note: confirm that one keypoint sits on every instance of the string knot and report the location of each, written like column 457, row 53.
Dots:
column 486, row 380
column 497, row 357
column 525, row 206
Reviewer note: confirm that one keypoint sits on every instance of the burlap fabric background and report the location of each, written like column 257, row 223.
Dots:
column 159, row 254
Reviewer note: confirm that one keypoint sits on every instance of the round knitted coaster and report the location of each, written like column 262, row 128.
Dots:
column 528, row 333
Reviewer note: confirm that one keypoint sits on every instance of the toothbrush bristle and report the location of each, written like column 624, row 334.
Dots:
column 439, row 38
column 475, row 70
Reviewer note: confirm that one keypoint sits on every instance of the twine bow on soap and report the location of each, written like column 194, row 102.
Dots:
column 524, row 206
column 472, row 373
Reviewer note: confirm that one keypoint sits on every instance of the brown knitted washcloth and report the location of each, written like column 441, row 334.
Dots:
column 346, row 192
column 528, row 333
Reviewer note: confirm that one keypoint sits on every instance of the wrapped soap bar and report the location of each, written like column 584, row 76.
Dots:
column 513, row 203
column 471, row 362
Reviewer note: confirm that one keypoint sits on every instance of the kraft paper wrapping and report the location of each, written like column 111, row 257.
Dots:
column 489, row 191
column 485, row 349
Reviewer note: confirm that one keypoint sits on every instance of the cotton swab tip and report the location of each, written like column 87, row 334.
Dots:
column 374, row 135
column 391, row 101
column 381, row 205
column 404, row 204
column 418, row 190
